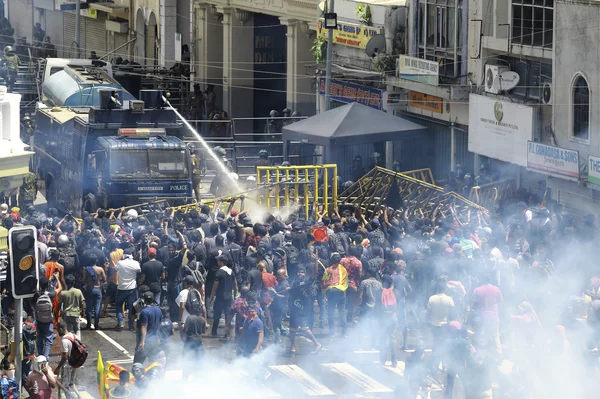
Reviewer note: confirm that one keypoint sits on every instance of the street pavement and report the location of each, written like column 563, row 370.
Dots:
column 345, row 368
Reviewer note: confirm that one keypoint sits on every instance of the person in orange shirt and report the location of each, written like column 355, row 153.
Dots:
column 55, row 273
column 115, row 255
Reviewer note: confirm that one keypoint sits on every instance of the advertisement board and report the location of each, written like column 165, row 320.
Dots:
column 551, row 160
column 426, row 102
column 350, row 93
column 500, row 129
column 419, row 70
column 594, row 170
column 351, row 35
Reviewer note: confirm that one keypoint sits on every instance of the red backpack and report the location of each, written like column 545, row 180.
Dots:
column 79, row 352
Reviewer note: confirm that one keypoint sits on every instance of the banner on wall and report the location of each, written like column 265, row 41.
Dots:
column 351, row 93
column 551, row 160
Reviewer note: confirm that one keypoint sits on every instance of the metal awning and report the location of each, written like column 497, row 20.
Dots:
column 385, row 3
column 109, row 8
column 349, row 72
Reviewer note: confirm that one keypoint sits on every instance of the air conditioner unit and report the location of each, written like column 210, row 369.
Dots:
column 547, row 93
column 492, row 77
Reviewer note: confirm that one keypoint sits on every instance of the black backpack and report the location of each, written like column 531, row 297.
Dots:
column 193, row 303
column 291, row 254
column 67, row 259
column 29, row 337
column 199, row 274
column 337, row 243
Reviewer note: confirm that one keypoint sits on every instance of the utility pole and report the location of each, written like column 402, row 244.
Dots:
column 329, row 9
column 77, row 24
column 18, row 341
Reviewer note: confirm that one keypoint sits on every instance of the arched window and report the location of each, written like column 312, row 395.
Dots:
column 581, row 109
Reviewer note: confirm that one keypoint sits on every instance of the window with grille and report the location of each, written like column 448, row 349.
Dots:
column 440, row 36
column 533, row 22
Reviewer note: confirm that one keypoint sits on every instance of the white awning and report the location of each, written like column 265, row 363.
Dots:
column 385, row 3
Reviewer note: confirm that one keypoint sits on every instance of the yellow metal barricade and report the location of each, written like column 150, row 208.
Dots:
column 421, row 174
column 383, row 187
column 297, row 186
column 494, row 193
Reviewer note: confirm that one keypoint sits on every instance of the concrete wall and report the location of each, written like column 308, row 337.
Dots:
column 305, row 100
column 576, row 52
column 184, row 20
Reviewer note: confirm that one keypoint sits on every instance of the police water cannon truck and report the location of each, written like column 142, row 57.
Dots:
column 98, row 146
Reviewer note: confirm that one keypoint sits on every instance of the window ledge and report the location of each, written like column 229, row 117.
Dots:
column 578, row 140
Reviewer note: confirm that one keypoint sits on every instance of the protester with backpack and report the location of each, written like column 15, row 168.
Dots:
column 190, row 301
column 72, row 304
column 148, row 327
column 74, row 354
column 44, row 318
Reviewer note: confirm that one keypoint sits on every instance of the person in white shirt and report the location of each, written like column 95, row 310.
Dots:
column 127, row 269
column 188, row 283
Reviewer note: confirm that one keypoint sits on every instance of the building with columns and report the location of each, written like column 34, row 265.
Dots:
column 256, row 55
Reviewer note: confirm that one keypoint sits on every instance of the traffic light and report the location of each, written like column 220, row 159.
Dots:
column 22, row 245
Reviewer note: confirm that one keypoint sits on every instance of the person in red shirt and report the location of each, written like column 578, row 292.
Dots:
column 353, row 266
column 486, row 302
column 268, row 281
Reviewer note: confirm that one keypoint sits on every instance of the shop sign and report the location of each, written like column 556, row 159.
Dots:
column 594, row 170
column 351, row 35
column 394, row 101
column 350, row 93
column 419, row 70
column 426, row 102
column 501, row 129
column 553, row 160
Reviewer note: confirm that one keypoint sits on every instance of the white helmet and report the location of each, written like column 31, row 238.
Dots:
column 251, row 178
column 235, row 176
column 62, row 240
column 132, row 213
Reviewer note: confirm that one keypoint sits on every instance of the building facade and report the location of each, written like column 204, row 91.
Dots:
column 576, row 183
column 510, row 71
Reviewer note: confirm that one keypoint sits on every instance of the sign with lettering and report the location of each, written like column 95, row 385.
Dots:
column 350, row 93
column 594, row 170
column 351, row 35
column 419, row 70
column 426, row 102
column 553, row 160
column 502, row 128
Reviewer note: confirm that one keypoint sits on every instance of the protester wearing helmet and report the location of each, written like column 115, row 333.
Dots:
column 10, row 65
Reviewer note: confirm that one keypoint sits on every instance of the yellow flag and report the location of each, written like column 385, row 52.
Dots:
column 101, row 378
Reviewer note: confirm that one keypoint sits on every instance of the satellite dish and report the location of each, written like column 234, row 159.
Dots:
column 375, row 45
column 508, row 80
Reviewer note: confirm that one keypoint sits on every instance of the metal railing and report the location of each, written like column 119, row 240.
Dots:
column 421, row 174
column 495, row 193
column 383, row 187
column 298, row 186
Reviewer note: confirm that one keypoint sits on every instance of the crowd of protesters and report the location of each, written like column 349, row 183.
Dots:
column 459, row 292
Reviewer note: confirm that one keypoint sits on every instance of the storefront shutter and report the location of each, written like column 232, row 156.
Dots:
column 95, row 37
column 120, row 40
column 69, row 47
